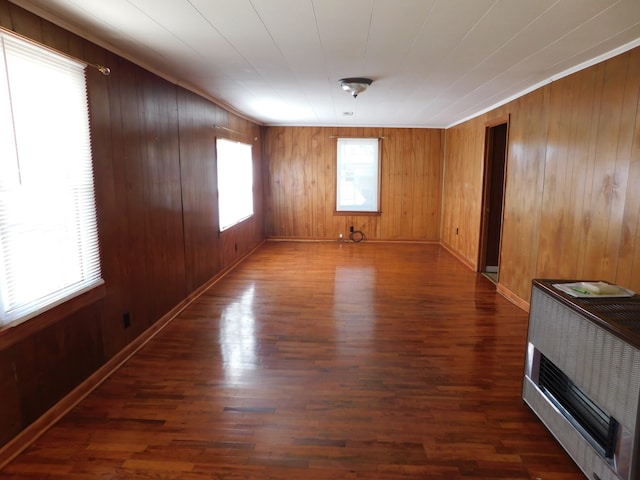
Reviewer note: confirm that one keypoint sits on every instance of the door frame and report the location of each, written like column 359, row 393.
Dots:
column 486, row 190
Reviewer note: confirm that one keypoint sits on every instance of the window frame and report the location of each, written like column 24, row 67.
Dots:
column 378, row 181
column 239, row 219
column 79, row 291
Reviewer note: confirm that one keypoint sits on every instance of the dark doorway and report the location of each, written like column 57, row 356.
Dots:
column 495, row 161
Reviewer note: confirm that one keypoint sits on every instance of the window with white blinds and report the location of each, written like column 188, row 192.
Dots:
column 48, row 234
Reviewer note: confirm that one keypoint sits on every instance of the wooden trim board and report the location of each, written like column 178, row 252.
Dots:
column 31, row 433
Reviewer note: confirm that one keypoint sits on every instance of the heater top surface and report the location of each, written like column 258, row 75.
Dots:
column 619, row 315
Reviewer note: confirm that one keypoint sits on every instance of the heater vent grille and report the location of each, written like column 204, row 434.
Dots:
column 627, row 313
column 604, row 366
column 580, row 410
column 582, row 378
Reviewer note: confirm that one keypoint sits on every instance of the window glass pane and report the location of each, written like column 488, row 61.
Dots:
column 235, row 182
column 48, row 233
column 357, row 175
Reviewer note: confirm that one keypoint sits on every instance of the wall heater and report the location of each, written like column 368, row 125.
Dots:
column 582, row 377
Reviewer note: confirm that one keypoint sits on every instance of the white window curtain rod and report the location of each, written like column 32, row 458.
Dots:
column 101, row 68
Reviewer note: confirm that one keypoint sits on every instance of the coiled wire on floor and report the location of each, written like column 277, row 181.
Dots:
column 356, row 236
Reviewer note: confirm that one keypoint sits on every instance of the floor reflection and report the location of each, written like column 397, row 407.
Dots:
column 238, row 337
column 354, row 311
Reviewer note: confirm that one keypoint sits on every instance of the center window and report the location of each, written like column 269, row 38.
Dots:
column 358, row 175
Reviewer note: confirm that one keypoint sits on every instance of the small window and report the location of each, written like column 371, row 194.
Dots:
column 235, row 182
column 48, row 233
column 358, row 181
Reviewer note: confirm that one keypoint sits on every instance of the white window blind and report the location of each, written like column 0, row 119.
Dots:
column 48, row 234
column 357, row 187
column 235, row 182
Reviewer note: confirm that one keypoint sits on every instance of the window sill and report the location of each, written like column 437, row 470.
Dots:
column 15, row 332
column 238, row 222
column 356, row 213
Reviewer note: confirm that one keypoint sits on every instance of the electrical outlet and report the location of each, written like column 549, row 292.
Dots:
column 340, row 236
column 127, row 320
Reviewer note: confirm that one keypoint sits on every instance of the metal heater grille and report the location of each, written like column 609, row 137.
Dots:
column 599, row 428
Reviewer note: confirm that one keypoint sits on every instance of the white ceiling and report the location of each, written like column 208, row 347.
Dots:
column 433, row 63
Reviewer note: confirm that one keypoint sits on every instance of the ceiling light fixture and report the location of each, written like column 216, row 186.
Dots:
column 355, row 85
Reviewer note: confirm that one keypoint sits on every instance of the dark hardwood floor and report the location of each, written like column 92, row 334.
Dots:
column 318, row 361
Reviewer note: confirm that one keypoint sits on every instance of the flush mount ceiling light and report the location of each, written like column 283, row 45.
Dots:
column 354, row 85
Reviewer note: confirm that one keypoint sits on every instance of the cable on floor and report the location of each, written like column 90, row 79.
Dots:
column 356, row 236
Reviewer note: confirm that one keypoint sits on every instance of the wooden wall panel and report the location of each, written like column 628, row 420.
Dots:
column 592, row 119
column 462, row 196
column 164, row 242
column 628, row 259
column 132, row 165
column 27, row 379
column 10, row 423
column 154, row 168
column 572, row 202
column 112, row 195
column 570, row 162
column 197, row 121
column 524, row 189
column 299, row 175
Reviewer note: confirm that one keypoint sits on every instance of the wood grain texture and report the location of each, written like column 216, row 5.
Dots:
column 318, row 361
column 300, row 177
column 462, row 197
column 572, row 207
column 572, row 202
column 523, row 191
column 157, row 223
column 587, row 165
column 197, row 120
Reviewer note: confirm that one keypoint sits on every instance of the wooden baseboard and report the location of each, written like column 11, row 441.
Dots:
column 31, row 433
column 512, row 297
column 346, row 240
column 36, row 429
column 301, row 239
column 501, row 289
column 464, row 260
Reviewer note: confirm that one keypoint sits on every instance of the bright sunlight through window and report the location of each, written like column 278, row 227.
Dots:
column 48, row 236
column 358, row 170
column 235, row 182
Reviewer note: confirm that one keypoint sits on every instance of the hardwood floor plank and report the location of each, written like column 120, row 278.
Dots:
column 318, row 361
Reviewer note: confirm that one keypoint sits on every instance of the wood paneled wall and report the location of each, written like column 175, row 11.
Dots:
column 572, row 200
column 300, row 173
column 462, row 196
column 156, row 195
